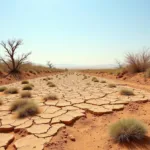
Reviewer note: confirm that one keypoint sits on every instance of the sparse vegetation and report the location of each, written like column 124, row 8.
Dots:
column 111, row 85
column 127, row 130
column 51, row 84
column 27, row 87
column 25, row 82
column 30, row 109
column 103, row 81
column 126, row 92
column 11, row 90
column 17, row 104
column 94, row 79
column 24, row 108
column 138, row 62
column 2, row 88
column 25, row 94
column 50, row 97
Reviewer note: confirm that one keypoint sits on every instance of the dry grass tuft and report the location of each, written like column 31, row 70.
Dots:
column 138, row 62
column 30, row 109
column 24, row 108
column 17, row 104
column 94, row 79
column 50, row 97
column 25, row 94
column 25, row 82
column 11, row 90
column 27, row 87
column 103, row 81
column 127, row 130
column 51, row 84
column 111, row 85
column 2, row 88
column 126, row 92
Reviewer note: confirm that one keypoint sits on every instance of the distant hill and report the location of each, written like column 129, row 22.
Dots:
column 74, row 66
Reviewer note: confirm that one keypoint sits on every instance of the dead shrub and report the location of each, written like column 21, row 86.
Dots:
column 11, row 90
column 25, row 82
column 126, row 92
column 27, row 87
column 50, row 97
column 2, row 88
column 138, row 62
column 94, row 79
column 25, row 94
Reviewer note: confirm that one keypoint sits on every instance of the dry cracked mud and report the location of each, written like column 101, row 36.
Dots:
column 76, row 96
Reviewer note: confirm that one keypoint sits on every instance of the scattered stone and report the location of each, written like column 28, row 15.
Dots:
column 72, row 138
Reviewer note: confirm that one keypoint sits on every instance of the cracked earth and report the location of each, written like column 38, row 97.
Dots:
column 76, row 96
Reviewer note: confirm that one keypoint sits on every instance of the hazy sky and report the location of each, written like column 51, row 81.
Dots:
column 85, row 32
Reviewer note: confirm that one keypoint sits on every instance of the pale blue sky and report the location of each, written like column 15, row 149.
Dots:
column 85, row 32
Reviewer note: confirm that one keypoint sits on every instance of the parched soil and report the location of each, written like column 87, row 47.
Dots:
column 7, row 79
column 78, row 119
column 92, row 132
column 134, row 80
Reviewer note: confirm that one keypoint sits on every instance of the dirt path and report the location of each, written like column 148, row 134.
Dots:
column 76, row 97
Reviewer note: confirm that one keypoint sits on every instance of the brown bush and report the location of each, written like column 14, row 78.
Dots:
column 138, row 62
column 50, row 97
column 11, row 91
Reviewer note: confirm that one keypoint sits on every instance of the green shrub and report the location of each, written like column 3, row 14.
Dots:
column 126, row 92
column 11, row 91
column 94, row 79
column 111, row 85
column 127, row 130
column 25, row 82
column 25, row 94
column 2, row 88
column 50, row 97
column 27, row 87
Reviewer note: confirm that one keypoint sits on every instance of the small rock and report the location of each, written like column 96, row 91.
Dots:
column 72, row 138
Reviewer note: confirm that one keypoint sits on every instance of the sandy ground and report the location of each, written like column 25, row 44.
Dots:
column 92, row 132
column 134, row 80
column 23, row 76
column 78, row 120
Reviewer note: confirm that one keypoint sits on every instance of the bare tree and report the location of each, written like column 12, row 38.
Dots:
column 12, row 63
column 50, row 65
column 119, row 64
